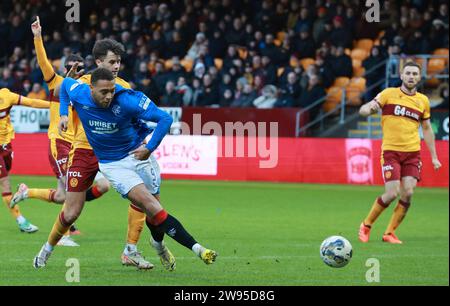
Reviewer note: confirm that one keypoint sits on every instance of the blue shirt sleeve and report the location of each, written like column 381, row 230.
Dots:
column 67, row 93
column 140, row 106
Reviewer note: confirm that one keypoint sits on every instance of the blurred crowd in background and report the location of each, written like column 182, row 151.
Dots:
column 220, row 52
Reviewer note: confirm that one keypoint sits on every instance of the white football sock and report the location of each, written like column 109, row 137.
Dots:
column 130, row 248
column 20, row 219
column 198, row 249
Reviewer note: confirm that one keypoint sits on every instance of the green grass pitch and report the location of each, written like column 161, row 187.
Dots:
column 266, row 234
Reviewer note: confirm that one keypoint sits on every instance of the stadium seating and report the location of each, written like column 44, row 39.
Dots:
column 359, row 54
column 341, row 82
column 306, row 62
column 334, row 97
column 443, row 52
column 365, row 44
column 187, row 64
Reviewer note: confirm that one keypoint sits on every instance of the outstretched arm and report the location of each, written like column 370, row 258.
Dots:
column 35, row 103
column 370, row 108
column 16, row 99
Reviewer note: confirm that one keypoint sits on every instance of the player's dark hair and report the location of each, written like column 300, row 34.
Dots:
column 73, row 58
column 101, row 74
column 101, row 48
column 412, row 64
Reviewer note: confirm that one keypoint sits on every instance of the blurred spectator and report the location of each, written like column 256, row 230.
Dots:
column 246, row 98
column 236, row 35
column 319, row 23
column 374, row 72
column 176, row 71
column 341, row 63
column 269, row 71
column 304, row 45
column 417, row 44
column 7, row 80
column 314, row 92
column 210, row 93
column 268, row 97
column 89, row 63
column 185, row 91
column 290, row 92
column 439, row 35
column 157, row 43
column 270, row 50
column 55, row 47
column 176, row 47
column 171, row 98
column 194, row 51
column 160, row 77
column 37, row 92
column 325, row 71
column 340, row 35
column 304, row 20
column 226, row 98
column 26, row 88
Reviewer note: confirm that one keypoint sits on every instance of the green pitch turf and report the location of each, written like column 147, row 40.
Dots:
column 266, row 234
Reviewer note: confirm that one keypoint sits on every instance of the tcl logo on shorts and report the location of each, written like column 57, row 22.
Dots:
column 74, row 174
column 388, row 168
column 62, row 161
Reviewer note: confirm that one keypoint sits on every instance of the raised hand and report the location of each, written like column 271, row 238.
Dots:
column 36, row 28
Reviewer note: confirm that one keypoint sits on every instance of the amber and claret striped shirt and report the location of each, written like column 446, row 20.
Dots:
column 401, row 117
column 7, row 100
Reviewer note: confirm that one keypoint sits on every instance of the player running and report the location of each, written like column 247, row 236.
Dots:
column 108, row 113
column 84, row 166
column 59, row 144
column 7, row 101
column 403, row 110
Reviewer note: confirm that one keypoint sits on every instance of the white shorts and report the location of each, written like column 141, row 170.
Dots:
column 99, row 176
column 129, row 172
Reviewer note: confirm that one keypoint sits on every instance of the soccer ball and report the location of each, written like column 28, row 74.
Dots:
column 336, row 251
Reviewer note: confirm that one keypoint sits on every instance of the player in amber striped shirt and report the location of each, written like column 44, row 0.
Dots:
column 59, row 144
column 7, row 101
column 403, row 111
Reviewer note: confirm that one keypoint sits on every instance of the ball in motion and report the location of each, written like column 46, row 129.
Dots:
column 336, row 251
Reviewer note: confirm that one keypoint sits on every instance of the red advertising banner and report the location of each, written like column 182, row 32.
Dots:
column 302, row 160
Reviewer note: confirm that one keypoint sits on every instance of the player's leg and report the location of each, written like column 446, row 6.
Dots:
column 125, row 177
column 5, row 167
column 83, row 167
column 157, row 242
column 72, row 209
column 391, row 174
column 159, row 218
column 410, row 173
column 400, row 211
column 136, row 217
column 58, row 159
column 100, row 187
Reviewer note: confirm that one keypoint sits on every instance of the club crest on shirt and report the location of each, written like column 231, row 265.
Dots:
column 116, row 110
column 74, row 182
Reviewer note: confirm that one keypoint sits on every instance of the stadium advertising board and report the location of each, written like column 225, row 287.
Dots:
column 29, row 120
column 184, row 154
